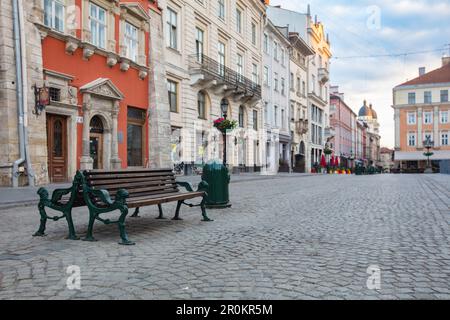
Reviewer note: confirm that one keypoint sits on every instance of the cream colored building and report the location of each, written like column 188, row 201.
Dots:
column 298, row 114
column 213, row 52
column 318, row 84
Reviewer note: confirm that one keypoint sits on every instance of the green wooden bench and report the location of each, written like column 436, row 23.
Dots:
column 106, row 191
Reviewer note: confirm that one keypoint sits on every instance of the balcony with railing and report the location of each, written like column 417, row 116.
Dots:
column 208, row 73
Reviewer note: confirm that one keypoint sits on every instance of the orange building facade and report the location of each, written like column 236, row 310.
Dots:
column 96, row 66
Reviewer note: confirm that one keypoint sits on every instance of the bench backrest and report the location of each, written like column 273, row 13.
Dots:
column 138, row 182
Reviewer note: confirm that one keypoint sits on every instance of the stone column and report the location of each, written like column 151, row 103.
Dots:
column 116, row 163
column 436, row 138
column 86, row 162
column 419, row 128
column 159, row 112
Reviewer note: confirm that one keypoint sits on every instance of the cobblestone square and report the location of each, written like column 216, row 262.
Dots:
column 312, row 237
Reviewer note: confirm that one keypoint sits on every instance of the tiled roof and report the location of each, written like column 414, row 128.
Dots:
column 441, row 75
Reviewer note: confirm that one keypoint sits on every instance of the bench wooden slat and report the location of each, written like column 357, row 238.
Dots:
column 136, row 203
column 128, row 180
column 125, row 175
column 131, row 185
column 126, row 171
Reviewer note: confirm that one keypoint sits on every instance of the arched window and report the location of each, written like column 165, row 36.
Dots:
column 96, row 125
column 201, row 105
column 241, row 116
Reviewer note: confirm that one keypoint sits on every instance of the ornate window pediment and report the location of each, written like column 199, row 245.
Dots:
column 104, row 88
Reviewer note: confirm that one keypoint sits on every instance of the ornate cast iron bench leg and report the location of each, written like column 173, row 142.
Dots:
column 136, row 213
column 161, row 213
column 177, row 212
column 123, row 233
column 66, row 211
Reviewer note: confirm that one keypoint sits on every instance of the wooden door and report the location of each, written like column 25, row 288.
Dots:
column 57, row 147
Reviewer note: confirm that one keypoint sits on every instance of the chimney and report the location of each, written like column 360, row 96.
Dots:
column 445, row 61
column 421, row 71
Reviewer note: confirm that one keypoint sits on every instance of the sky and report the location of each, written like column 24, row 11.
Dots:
column 362, row 28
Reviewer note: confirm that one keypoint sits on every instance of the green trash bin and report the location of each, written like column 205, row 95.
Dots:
column 218, row 179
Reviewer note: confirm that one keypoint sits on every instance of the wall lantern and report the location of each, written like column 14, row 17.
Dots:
column 42, row 99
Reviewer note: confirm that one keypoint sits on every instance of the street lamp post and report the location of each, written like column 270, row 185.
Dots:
column 428, row 144
column 224, row 108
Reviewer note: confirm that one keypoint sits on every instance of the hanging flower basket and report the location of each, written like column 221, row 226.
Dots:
column 327, row 151
column 224, row 125
column 428, row 154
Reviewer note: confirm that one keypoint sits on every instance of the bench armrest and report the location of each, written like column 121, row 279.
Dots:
column 186, row 185
column 59, row 193
column 103, row 195
column 203, row 186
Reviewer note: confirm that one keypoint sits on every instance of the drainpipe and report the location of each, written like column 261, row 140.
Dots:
column 22, row 100
column 30, row 172
column 19, row 96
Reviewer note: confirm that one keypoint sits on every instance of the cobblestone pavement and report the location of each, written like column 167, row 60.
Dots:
column 287, row 238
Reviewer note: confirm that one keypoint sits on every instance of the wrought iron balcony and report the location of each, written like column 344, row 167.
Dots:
column 207, row 72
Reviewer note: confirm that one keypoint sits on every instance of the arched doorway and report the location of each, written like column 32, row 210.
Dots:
column 96, row 142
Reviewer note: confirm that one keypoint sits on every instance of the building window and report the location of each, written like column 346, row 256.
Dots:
column 411, row 118
column 266, row 112
column 131, row 41
column 254, row 34
column 444, row 139
column 255, row 120
column 412, row 98
column 428, row 117
column 201, row 105
column 283, row 57
column 283, row 120
column 412, row 139
column 266, row 43
column 97, row 17
column 54, row 14
column 55, row 94
column 135, row 137
column 275, row 83
column 255, row 75
column 240, row 67
column 221, row 54
column 427, row 97
column 283, row 86
column 238, row 21
column 172, row 87
column 266, row 76
column 221, row 13
column 241, row 116
column 199, row 43
column 299, row 80
column 313, row 85
column 291, row 81
column 444, row 116
column 275, row 51
column 275, row 115
column 444, row 95
column 172, row 22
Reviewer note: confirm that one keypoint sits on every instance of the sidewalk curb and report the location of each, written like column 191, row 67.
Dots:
column 34, row 202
